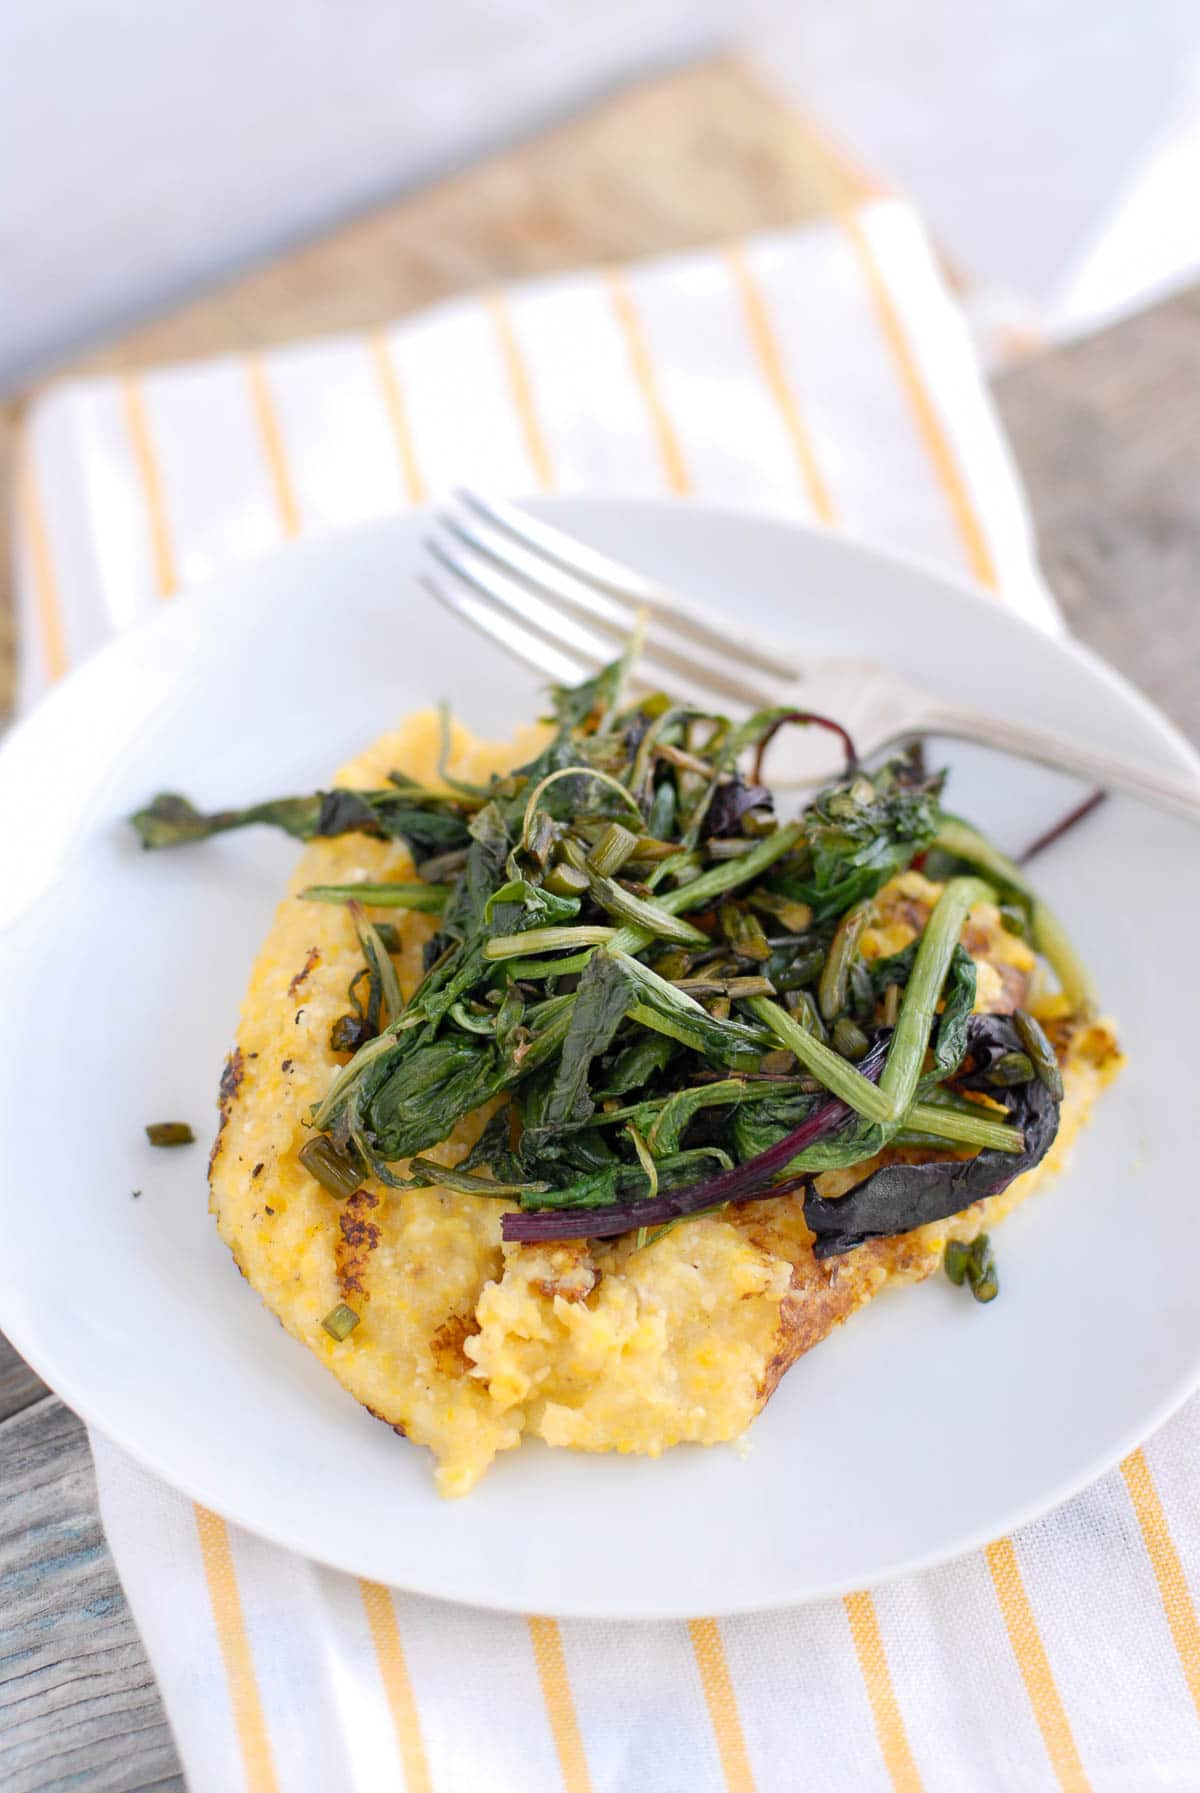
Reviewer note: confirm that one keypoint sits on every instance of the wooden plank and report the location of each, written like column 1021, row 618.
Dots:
column 19, row 1387
column 78, row 1704
column 1107, row 433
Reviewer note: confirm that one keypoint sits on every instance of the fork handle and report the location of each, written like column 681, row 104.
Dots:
column 1175, row 791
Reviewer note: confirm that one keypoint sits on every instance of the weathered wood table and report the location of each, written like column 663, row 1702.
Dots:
column 1107, row 432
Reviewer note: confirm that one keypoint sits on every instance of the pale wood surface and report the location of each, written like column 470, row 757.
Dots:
column 1107, row 432
column 1108, row 436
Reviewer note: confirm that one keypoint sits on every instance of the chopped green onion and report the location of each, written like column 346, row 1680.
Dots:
column 849, row 1039
column 744, row 932
column 795, row 917
column 565, row 880
column 333, row 1172
column 1040, row 1050
column 615, row 846
column 981, row 1270
column 170, row 1133
column 973, row 1264
column 954, row 1261
column 340, row 1321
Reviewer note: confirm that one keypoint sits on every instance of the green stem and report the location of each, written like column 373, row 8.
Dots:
column 605, row 778
column 672, row 1027
column 427, row 897
column 964, row 1129
column 732, row 872
column 628, row 939
column 836, row 1073
column 729, row 1092
column 548, row 940
column 1049, row 935
column 535, row 968
column 906, row 1054
column 653, row 919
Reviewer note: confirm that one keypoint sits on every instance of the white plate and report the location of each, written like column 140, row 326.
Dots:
column 927, row 1426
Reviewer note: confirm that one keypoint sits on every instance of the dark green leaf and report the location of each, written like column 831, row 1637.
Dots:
column 170, row 820
column 605, row 993
column 860, row 834
column 417, row 1099
column 518, row 907
column 637, row 1065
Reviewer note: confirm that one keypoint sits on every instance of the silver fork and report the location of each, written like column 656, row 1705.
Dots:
column 565, row 609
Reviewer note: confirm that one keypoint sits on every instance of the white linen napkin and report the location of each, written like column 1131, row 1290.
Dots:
column 825, row 371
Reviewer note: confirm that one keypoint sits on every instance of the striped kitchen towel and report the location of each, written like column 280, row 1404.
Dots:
column 824, row 371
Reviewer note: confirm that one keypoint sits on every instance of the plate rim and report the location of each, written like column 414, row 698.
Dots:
column 39, row 1351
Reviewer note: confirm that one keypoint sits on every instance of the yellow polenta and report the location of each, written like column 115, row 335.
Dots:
column 468, row 1345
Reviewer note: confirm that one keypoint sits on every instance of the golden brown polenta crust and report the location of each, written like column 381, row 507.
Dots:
column 467, row 1345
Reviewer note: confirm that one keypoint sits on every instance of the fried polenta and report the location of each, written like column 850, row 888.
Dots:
column 467, row 1344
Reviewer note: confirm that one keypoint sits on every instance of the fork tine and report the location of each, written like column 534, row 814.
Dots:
column 513, row 614
column 623, row 583
column 518, row 642
column 605, row 616
column 546, row 621
column 507, row 595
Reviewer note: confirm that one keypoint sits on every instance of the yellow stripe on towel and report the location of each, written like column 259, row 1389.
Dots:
column 1034, row 1664
column 271, row 437
column 925, row 414
column 721, row 1699
column 249, row 1720
column 559, row 1702
column 146, row 460
column 670, row 453
column 46, row 595
column 774, row 372
column 393, row 1672
column 881, row 1694
column 1168, row 1570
